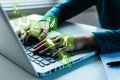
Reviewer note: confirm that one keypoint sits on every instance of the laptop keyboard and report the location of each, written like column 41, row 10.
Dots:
column 40, row 60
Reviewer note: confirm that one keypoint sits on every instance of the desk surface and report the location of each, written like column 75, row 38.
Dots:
column 89, row 69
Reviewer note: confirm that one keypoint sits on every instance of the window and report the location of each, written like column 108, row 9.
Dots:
column 26, row 4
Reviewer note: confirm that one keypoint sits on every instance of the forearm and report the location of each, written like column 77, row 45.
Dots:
column 108, row 41
column 69, row 9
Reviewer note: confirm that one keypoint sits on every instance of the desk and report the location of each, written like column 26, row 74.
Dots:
column 89, row 69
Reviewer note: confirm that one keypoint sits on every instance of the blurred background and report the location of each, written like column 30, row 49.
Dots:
column 28, row 7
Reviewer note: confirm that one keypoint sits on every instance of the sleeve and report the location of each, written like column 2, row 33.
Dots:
column 69, row 8
column 108, row 41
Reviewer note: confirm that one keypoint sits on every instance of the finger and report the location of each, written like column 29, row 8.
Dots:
column 26, row 38
column 37, row 49
column 57, row 39
column 60, row 49
column 39, row 44
column 54, row 37
column 42, row 45
column 57, row 45
column 42, row 38
column 44, row 51
column 43, row 34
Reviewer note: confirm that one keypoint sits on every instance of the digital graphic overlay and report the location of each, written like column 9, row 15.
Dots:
column 65, row 58
column 52, row 23
column 67, row 41
column 26, row 25
column 34, row 29
column 50, row 43
column 16, row 9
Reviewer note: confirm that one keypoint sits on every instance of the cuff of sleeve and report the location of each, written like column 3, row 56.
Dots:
column 102, row 40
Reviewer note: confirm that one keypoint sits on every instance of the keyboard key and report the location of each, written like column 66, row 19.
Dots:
column 45, row 62
column 31, row 49
column 39, row 59
column 47, row 58
column 25, row 50
column 31, row 46
column 29, row 57
column 37, row 62
column 52, row 52
column 35, row 56
column 28, row 47
column 48, row 54
column 32, row 59
column 21, row 39
column 43, row 56
column 30, row 54
column 41, row 64
column 52, row 60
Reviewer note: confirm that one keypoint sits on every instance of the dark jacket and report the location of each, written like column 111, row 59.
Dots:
column 109, row 18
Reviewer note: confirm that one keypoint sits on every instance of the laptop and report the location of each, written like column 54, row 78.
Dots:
column 14, row 50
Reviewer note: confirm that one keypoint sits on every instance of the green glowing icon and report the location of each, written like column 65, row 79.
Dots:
column 24, row 18
column 16, row 9
column 44, row 24
column 64, row 58
column 52, row 23
column 23, row 30
column 67, row 41
column 22, row 33
column 50, row 43
column 35, row 28
column 16, row 22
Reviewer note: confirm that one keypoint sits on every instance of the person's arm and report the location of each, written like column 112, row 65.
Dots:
column 69, row 9
column 108, row 41
column 63, row 12
column 103, row 42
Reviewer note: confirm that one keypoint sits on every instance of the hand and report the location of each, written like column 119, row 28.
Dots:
column 87, row 42
column 35, row 29
column 39, row 29
column 42, row 35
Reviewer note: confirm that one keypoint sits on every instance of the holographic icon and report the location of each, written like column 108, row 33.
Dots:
column 44, row 24
column 16, row 12
column 16, row 22
column 67, row 41
column 53, row 23
column 26, row 25
column 64, row 58
column 16, row 9
column 50, row 43
column 52, row 26
column 24, row 18
column 34, row 28
column 49, row 19
column 47, row 25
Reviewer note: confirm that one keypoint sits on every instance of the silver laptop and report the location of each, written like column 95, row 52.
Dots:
column 12, row 48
